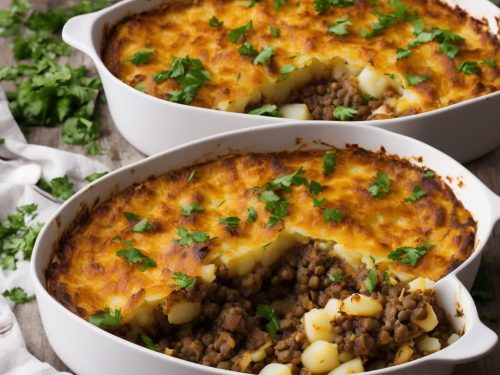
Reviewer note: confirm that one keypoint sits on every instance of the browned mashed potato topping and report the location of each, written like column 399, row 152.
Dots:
column 272, row 259
column 363, row 59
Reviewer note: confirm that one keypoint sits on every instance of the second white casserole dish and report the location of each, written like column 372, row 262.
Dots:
column 101, row 352
column 153, row 125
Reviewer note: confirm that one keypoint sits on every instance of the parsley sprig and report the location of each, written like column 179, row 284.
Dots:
column 267, row 110
column 418, row 193
column 409, row 255
column 381, row 187
column 135, row 256
column 267, row 312
column 186, row 238
column 371, row 280
column 231, row 222
column 339, row 27
column 59, row 187
column 399, row 14
column 323, row 6
column 182, row 280
column 18, row 295
column 106, row 318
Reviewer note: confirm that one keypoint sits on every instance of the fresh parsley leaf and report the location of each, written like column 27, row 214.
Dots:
column 449, row 49
column 191, row 176
column 267, row 312
column 106, row 319
column 344, row 113
column 400, row 13
column 231, row 222
column 142, row 57
column 285, row 182
column 415, row 80
column 182, row 280
column 387, row 278
column 418, row 26
column 417, row 194
column 285, row 71
column 371, row 280
column 135, row 256
column 423, row 37
column 94, row 176
column 2, row 141
column 59, row 187
column 187, row 238
column 409, row 255
column 142, row 226
column 269, row 196
column 252, row 3
column 278, row 4
column 252, row 215
column 318, row 202
column 236, row 34
column 275, row 32
column 131, row 216
column 323, row 6
column 267, row 110
column 339, row 27
column 490, row 62
column 329, row 162
column 80, row 131
column 401, row 53
column 141, row 86
column 381, row 187
column 332, row 214
column 247, row 49
column 264, row 56
column 18, row 295
column 336, row 277
column 277, row 208
column 121, row 241
column 428, row 174
column 315, row 187
column 214, row 22
column 190, row 208
column 469, row 67
column 148, row 342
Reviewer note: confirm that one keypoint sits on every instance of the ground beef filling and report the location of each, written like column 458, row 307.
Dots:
column 228, row 328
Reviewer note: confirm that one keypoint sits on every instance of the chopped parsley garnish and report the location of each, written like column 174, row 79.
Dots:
column 415, row 80
column 80, row 131
column 236, row 34
column 142, row 57
column 17, row 237
column 252, row 215
column 182, row 280
column 428, row 174
column 221, row 203
column 418, row 193
column 247, row 50
column 469, row 67
column 135, row 256
column 187, row 238
column 267, row 312
column 409, row 255
column 336, row 277
column 329, row 162
column 278, row 4
column 59, row 187
column 386, row 20
column 423, row 37
column 371, row 280
column 387, row 278
column 318, row 202
column 122, row 241
column 264, row 56
column 252, row 3
column 275, row 32
column 490, row 62
column 390, row 75
column 315, row 187
column 106, row 319
column 277, row 207
column 2, row 141
column 323, row 6
column 131, row 216
column 285, row 71
column 18, row 295
column 448, row 41
column 267, row 110
column 190, row 208
column 214, row 22
column 332, row 214
column 418, row 26
column 339, row 27
column 380, row 188
column 148, row 342
column 344, row 113
column 191, row 176
column 401, row 53
column 231, row 222
column 285, row 182
column 142, row 226
column 94, row 176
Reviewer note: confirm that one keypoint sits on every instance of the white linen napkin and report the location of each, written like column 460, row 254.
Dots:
column 21, row 166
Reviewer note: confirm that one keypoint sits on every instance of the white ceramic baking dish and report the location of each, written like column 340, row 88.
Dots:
column 89, row 350
column 465, row 130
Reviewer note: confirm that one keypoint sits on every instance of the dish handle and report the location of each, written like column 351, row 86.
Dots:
column 77, row 32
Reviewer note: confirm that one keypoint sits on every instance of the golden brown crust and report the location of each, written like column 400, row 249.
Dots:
column 179, row 30
column 87, row 276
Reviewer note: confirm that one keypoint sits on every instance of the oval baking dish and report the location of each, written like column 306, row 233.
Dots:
column 101, row 352
column 165, row 124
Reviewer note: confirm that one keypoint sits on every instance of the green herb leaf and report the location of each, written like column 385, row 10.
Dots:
column 344, row 113
column 449, row 49
column 267, row 110
column 315, row 187
column 469, row 67
column 417, row 194
column 94, row 176
column 247, row 50
column 182, row 280
column 106, row 319
column 423, row 37
column 339, row 27
column 329, row 162
column 267, row 312
column 18, row 295
column 285, row 71
column 409, row 255
column 490, row 62
column 80, row 131
column 131, row 216
column 380, row 188
column 142, row 226
column 121, row 241
column 142, row 57
column 400, row 13
column 278, row 4
column 415, row 80
column 191, row 175
column 187, row 238
column 135, row 256
column 236, row 34
column 387, row 278
column 214, row 22
column 264, row 56
column 319, row 202
column 323, row 6
column 148, row 342
column 401, row 53
column 59, row 187
column 371, row 280
column 252, row 3
column 252, row 215
column 285, row 182
column 336, row 277
column 190, row 208
column 275, row 32
column 2, row 141
column 428, row 174
column 231, row 222
column 332, row 214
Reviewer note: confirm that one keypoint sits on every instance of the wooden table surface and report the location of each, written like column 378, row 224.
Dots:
column 117, row 152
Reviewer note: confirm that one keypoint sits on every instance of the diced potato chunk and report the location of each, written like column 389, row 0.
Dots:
column 429, row 323
column 333, row 308
column 298, row 111
column 320, row 357
column 453, row 338
column 404, row 354
column 354, row 366
column 275, row 369
column 361, row 305
column 317, row 325
column 421, row 283
column 372, row 82
column 429, row 344
column 345, row 356
column 208, row 273
column 183, row 312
